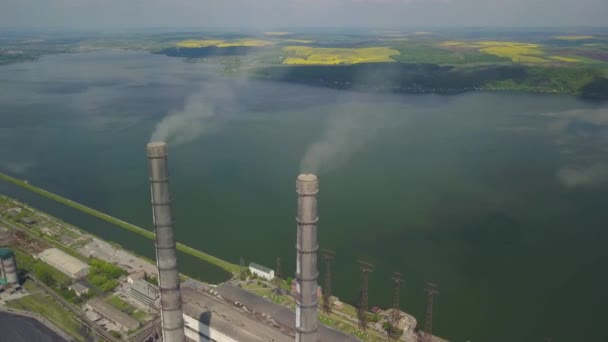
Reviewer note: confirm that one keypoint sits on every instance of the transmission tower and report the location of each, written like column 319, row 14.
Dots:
column 431, row 291
column 366, row 268
column 328, row 256
column 277, row 272
column 396, row 314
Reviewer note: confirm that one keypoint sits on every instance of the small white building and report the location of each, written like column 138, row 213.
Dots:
column 79, row 288
column 261, row 271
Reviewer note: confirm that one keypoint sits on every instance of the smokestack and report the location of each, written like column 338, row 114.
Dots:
column 307, row 186
column 172, row 321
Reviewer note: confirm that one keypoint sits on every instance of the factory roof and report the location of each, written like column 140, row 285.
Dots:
column 78, row 288
column 228, row 319
column 113, row 314
column 280, row 314
column 145, row 288
column 6, row 253
column 141, row 274
column 260, row 267
column 28, row 220
column 68, row 262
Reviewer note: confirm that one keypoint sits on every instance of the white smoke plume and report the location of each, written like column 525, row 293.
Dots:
column 593, row 175
column 191, row 122
column 345, row 132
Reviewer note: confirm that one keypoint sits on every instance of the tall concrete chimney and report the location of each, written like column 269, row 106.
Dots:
column 307, row 186
column 172, row 321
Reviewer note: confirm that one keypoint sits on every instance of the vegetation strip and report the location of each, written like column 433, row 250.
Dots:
column 232, row 268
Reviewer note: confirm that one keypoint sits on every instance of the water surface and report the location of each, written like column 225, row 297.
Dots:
column 495, row 197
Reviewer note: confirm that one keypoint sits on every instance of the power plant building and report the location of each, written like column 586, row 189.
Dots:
column 115, row 316
column 307, row 187
column 72, row 267
column 144, row 292
column 172, row 320
column 8, row 268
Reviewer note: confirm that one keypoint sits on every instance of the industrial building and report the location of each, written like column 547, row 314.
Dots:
column 27, row 220
column 65, row 263
column 208, row 318
column 8, row 268
column 307, row 187
column 144, row 292
column 115, row 316
column 277, row 314
column 141, row 274
column 172, row 320
column 261, row 271
column 79, row 288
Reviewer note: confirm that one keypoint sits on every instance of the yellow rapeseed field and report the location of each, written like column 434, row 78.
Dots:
column 302, row 55
column 198, row 43
column 246, row 42
column 573, row 37
column 565, row 59
column 516, row 51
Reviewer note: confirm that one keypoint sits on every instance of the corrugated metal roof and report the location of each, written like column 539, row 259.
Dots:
column 229, row 320
column 114, row 314
column 280, row 314
column 145, row 288
column 58, row 257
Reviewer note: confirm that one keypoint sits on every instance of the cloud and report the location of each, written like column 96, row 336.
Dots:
column 587, row 176
column 300, row 13
column 18, row 167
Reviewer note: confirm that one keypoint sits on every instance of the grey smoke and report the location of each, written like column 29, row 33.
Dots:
column 597, row 117
column 576, row 176
column 192, row 121
column 345, row 132
column 19, row 167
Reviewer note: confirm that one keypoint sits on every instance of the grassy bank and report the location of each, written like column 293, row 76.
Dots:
column 232, row 268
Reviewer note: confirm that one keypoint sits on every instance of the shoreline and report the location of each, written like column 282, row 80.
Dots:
column 225, row 265
column 40, row 319
column 339, row 86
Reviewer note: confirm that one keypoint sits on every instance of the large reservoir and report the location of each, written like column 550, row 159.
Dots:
column 499, row 198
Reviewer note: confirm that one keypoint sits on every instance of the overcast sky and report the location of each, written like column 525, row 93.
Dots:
column 300, row 13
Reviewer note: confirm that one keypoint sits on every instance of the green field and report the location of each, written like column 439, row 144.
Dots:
column 252, row 52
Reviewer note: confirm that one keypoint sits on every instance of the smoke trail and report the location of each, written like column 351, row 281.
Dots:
column 576, row 176
column 191, row 122
column 345, row 132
